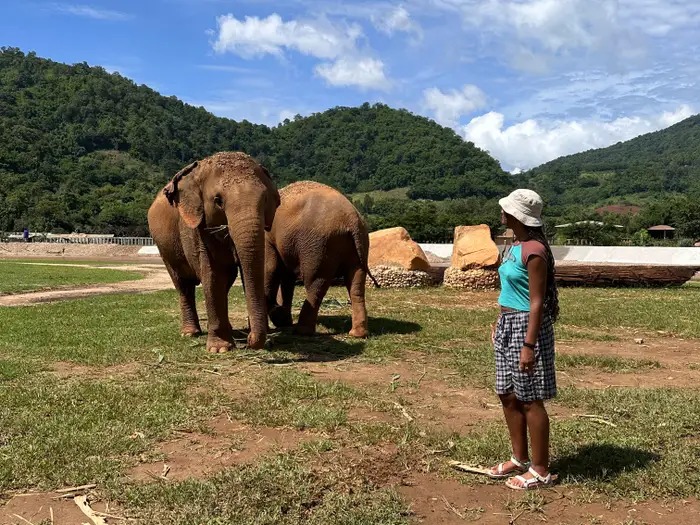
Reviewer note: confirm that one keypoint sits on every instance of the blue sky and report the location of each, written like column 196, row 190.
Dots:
column 527, row 80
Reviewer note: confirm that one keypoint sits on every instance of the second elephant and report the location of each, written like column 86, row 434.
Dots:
column 317, row 236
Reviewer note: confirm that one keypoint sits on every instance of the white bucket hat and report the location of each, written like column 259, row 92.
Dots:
column 524, row 205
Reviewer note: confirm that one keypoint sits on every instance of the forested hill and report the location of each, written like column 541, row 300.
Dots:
column 85, row 150
column 663, row 162
column 380, row 148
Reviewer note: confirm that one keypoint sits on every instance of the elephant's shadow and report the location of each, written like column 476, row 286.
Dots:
column 326, row 347
column 341, row 324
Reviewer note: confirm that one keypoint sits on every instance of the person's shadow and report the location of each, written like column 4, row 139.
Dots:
column 601, row 462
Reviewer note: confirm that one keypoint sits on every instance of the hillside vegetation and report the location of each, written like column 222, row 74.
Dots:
column 660, row 172
column 85, row 150
column 666, row 161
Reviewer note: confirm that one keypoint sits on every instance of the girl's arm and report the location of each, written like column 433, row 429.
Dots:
column 537, row 275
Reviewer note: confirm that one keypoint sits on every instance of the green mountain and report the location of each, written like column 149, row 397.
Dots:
column 85, row 150
column 647, row 167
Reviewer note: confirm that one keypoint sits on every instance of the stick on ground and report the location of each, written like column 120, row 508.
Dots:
column 84, row 506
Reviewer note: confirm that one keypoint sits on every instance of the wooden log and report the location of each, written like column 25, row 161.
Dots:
column 588, row 274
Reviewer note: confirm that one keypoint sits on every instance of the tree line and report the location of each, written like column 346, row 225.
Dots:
column 85, row 150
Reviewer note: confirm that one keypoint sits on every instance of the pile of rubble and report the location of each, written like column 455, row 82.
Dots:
column 393, row 277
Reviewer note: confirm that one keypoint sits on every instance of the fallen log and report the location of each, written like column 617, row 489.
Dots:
column 600, row 274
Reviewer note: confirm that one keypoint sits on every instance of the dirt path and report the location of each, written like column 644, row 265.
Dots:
column 155, row 278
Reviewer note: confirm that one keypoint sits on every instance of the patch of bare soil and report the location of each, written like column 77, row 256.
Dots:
column 419, row 387
column 669, row 351
column 43, row 507
column 439, row 501
column 679, row 358
column 64, row 370
column 47, row 249
column 155, row 278
column 198, row 455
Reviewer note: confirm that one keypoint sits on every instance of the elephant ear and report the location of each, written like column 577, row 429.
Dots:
column 272, row 199
column 184, row 193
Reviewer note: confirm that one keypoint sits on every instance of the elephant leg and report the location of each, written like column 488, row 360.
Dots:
column 188, row 310
column 281, row 315
column 355, row 282
column 215, row 285
column 189, row 320
column 315, row 292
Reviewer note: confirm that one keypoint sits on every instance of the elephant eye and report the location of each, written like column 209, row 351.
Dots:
column 218, row 201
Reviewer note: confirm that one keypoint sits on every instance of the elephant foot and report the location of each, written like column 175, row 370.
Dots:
column 190, row 332
column 219, row 346
column 360, row 333
column 304, row 330
column 280, row 317
column 256, row 341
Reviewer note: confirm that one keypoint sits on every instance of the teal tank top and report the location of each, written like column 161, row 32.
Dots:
column 515, row 283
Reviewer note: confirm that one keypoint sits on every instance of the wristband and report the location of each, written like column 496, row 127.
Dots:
column 529, row 345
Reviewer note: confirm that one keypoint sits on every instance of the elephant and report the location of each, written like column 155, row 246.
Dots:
column 317, row 236
column 209, row 220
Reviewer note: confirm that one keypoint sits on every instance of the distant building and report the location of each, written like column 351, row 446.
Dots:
column 505, row 239
column 662, row 231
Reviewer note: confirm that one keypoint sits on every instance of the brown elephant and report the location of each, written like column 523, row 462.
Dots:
column 317, row 236
column 206, row 222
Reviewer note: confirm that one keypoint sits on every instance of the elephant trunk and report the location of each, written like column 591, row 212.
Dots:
column 246, row 227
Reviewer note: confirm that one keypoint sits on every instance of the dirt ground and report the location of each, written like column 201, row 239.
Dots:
column 430, row 395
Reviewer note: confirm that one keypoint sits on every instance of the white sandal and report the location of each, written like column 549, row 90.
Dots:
column 500, row 469
column 535, row 482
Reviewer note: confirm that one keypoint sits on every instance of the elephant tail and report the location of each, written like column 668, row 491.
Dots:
column 363, row 250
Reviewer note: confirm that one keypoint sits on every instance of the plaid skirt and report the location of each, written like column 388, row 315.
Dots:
column 510, row 335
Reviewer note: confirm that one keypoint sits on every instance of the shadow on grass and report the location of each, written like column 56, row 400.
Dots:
column 325, row 347
column 602, row 462
column 341, row 324
column 315, row 348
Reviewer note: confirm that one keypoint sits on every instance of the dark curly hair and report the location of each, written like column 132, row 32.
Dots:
column 551, row 297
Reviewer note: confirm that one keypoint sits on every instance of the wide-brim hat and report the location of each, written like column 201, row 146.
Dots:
column 525, row 206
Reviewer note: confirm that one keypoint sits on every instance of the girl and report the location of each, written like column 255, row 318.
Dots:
column 524, row 342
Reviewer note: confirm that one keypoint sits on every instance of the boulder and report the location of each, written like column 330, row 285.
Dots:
column 394, row 247
column 474, row 248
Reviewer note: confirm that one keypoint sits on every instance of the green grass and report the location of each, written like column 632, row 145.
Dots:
column 56, row 433
column 645, row 455
column 15, row 368
column 283, row 490
column 76, row 430
column 24, row 277
column 291, row 398
column 672, row 310
column 101, row 330
column 396, row 193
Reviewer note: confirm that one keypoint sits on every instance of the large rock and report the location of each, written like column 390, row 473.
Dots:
column 394, row 247
column 473, row 248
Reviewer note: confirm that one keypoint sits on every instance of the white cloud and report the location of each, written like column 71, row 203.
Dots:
column 449, row 106
column 255, row 36
column 90, row 12
column 395, row 20
column 360, row 72
column 321, row 39
column 533, row 142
